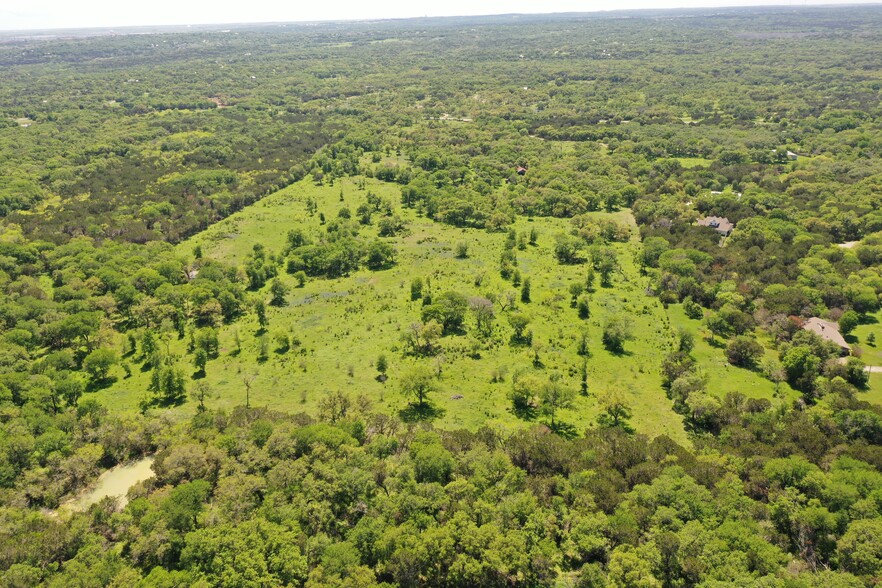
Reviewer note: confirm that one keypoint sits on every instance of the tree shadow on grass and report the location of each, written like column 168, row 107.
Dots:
column 96, row 385
column 565, row 430
column 716, row 343
column 526, row 413
column 620, row 352
column 414, row 413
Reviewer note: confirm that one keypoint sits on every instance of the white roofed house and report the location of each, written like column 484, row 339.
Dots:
column 828, row 331
column 719, row 223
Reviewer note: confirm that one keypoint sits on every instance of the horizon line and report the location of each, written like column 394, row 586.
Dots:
column 802, row 4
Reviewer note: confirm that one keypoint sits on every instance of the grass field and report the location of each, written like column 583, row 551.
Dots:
column 723, row 378
column 345, row 324
column 690, row 162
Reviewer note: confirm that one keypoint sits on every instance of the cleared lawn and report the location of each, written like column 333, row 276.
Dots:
column 344, row 324
column 723, row 378
column 870, row 354
column 690, row 162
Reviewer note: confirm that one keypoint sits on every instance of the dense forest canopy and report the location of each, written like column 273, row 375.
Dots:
column 569, row 300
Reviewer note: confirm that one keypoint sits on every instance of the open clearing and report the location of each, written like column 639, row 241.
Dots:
column 344, row 324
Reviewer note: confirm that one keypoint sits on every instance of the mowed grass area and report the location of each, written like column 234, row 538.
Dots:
column 723, row 378
column 690, row 162
column 344, row 324
column 871, row 354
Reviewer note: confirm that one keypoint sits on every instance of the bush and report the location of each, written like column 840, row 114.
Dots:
column 692, row 309
column 615, row 333
column 583, row 308
column 744, row 351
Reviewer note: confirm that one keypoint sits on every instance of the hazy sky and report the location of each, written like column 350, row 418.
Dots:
column 32, row 14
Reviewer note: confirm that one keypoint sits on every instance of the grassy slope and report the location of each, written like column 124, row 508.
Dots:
column 871, row 354
column 348, row 322
column 723, row 377
column 345, row 324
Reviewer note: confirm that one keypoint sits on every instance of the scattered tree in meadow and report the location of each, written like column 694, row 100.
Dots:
column 555, row 396
column 519, row 323
column 382, row 367
column 567, row 248
column 575, row 289
column 200, row 359
column 421, row 339
column 99, row 363
column 417, row 383
column 278, row 292
column 482, row 308
column 525, row 291
column 448, row 310
column 416, row 288
column 525, row 393
column 200, row 392
column 616, row 412
column 260, row 312
column 744, row 351
column 616, row 332
column 583, row 307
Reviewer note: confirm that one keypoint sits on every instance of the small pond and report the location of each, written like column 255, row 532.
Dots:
column 114, row 482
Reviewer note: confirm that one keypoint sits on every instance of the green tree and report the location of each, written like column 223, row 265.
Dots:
column 718, row 325
column 482, row 308
column 616, row 412
column 382, row 367
column 567, row 248
column 583, row 307
column 201, row 392
column 417, row 384
column 200, row 359
column 848, row 321
column 525, row 291
column 260, row 311
column 692, row 309
column 416, row 288
column 448, row 310
column 554, row 397
column 432, row 462
column 616, row 332
column 251, row 554
column 519, row 323
column 98, row 364
column 744, row 351
column 576, row 289
column 278, row 292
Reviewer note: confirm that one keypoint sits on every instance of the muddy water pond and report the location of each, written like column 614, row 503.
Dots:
column 114, row 482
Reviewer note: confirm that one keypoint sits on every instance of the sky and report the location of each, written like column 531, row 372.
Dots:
column 42, row 14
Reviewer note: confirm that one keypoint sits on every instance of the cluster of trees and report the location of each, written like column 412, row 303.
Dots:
column 254, row 498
